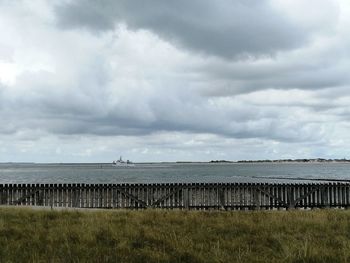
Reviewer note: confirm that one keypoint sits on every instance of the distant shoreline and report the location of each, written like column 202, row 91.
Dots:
column 318, row 160
column 279, row 161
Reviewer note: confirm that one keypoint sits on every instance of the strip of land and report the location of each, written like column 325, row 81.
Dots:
column 28, row 235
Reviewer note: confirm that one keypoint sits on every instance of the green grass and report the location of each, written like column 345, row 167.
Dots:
column 28, row 235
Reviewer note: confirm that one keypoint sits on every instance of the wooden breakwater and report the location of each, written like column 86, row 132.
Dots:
column 225, row 196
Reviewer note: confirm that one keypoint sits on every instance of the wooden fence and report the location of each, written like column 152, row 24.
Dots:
column 225, row 196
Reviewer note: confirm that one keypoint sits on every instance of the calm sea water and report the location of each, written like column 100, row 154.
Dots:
column 172, row 173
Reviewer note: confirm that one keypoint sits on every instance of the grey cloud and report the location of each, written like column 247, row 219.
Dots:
column 87, row 107
column 231, row 79
column 133, row 84
column 225, row 29
column 59, row 115
column 220, row 28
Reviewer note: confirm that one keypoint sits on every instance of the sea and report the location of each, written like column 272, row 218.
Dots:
column 28, row 173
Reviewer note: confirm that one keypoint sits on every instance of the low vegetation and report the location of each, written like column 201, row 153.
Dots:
column 28, row 235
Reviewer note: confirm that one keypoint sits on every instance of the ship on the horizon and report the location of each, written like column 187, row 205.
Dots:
column 122, row 163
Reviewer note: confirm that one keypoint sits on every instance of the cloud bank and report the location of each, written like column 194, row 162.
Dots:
column 88, row 81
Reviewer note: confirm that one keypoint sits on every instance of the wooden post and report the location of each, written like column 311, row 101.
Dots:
column 51, row 196
column 221, row 197
column 291, row 204
column 185, row 197
column 257, row 198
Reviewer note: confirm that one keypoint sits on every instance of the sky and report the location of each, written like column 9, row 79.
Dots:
column 155, row 80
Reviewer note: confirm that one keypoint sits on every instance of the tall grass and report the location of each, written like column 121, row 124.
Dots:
column 174, row 236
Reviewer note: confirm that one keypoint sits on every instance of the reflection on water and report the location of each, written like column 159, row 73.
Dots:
column 172, row 173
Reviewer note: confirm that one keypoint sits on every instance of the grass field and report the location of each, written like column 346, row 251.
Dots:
column 28, row 235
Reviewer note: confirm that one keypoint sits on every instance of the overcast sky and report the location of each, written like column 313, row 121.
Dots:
column 155, row 80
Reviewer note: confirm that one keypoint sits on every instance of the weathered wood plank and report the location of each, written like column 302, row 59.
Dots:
column 228, row 196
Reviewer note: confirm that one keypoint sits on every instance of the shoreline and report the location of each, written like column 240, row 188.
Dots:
column 183, row 163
